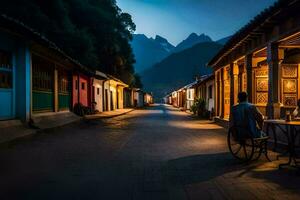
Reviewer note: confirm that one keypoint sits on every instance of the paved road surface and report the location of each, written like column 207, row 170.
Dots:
column 157, row 153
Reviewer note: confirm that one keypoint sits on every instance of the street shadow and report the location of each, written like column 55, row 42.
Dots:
column 210, row 167
column 288, row 178
column 201, row 168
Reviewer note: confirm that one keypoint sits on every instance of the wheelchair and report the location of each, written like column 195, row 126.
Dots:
column 243, row 146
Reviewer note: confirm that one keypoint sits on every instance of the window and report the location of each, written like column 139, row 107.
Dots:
column 5, row 80
column 210, row 92
column 98, row 91
column 5, row 60
column 83, row 86
column 63, row 85
column 5, row 70
column 42, row 74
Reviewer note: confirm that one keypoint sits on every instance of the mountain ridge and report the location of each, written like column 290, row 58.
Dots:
column 179, row 69
column 149, row 51
column 191, row 40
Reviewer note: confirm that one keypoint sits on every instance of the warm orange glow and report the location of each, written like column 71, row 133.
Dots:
column 288, row 85
column 194, row 125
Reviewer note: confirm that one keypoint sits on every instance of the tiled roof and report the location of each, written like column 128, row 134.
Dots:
column 19, row 27
column 252, row 25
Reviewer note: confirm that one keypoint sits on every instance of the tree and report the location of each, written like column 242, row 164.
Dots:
column 137, row 83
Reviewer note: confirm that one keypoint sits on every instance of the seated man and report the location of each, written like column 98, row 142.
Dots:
column 246, row 116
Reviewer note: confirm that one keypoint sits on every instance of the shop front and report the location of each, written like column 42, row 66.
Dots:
column 263, row 60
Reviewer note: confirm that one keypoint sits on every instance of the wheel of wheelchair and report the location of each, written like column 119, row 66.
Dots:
column 241, row 147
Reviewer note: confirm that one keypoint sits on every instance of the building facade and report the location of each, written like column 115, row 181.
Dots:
column 263, row 60
column 35, row 75
column 205, row 90
column 138, row 96
column 148, row 99
column 15, row 77
column 82, row 85
column 98, row 92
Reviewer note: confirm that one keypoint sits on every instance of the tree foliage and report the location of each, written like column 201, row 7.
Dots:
column 95, row 32
column 137, row 81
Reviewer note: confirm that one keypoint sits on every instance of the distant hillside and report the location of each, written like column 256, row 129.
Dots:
column 149, row 51
column 179, row 69
column 191, row 40
column 223, row 40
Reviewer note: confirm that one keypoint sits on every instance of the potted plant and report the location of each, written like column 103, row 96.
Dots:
column 194, row 108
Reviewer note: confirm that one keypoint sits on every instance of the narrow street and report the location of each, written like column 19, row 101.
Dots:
column 156, row 153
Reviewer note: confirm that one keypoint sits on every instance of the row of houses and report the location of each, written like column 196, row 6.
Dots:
column 185, row 97
column 37, row 78
column 262, row 58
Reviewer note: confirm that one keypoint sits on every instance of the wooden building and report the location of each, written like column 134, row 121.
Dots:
column 175, row 98
column 98, row 92
column 263, row 59
column 138, row 97
column 190, row 95
column 148, row 99
column 168, row 99
column 35, row 75
column 82, row 89
column 116, row 93
column 204, row 89
column 181, row 98
column 128, row 97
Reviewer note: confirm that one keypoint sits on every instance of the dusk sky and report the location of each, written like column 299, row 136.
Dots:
column 176, row 19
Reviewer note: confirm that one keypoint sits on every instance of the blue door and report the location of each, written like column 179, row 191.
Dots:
column 6, row 86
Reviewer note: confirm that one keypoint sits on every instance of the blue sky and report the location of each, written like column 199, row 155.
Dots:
column 176, row 19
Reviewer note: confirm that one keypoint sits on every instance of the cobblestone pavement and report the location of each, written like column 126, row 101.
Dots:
column 157, row 153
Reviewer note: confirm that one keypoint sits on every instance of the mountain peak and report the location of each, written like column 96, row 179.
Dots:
column 160, row 39
column 192, row 40
column 139, row 36
column 142, row 46
column 193, row 35
column 201, row 38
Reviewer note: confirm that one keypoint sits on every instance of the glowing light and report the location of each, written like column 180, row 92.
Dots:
column 193, row 125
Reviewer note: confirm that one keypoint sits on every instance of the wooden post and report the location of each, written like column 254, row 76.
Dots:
column 55, row 89
column 273, row 58
column 78, row 88
column 233, row 83
column 216, row 94
column 222, row 95
column 240, row 78
column 248, row 63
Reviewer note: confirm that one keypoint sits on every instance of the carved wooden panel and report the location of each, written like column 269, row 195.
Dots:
column 289, row 85
column 290, row 100
column 289, row 71
column 262, row 84
column 262, row 72
column 261, row 97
